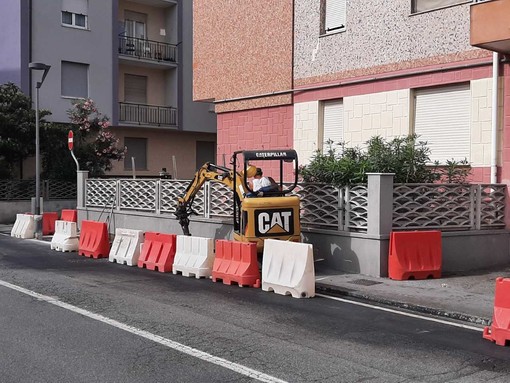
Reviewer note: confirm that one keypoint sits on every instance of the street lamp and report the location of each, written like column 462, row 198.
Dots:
column 45, row 68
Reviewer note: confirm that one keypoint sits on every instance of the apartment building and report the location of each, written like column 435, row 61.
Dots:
column 133, row 58
column 297, row 73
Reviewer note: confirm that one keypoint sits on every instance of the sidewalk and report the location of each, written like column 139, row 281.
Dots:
column 467, row 297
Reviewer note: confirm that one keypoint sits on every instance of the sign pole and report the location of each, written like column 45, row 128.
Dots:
column 70, row 145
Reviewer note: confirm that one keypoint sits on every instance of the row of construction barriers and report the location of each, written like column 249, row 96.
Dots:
column 287, row 267
column 24, row 226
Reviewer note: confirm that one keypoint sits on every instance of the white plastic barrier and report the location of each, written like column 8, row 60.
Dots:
column 65, row 237
column 287, row 268
column 194, row 256
column 126, row 247
column 24, row 227
column 17, row 225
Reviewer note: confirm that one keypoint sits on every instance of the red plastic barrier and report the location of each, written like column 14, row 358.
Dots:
column 415, row 255
column 500, row 330
column 69, row 215
column 48, row 222
column 158, row 252
column 94, row 240
column 236, row 262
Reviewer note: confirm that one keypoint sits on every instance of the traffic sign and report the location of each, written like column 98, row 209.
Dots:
column 70, row 140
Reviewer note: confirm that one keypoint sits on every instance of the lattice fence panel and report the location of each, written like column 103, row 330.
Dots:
column 61, row 189
column 171, row 190
column 492, row 206
column 221, row 200
column 356, row 200
column 433, row 206
column 11, row 190
column 138, row 195
column 101, row 193
column 319, row 205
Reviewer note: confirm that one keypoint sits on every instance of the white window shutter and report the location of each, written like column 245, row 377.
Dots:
column 443, row 119
column 80, row 7
column 333, row 127
column 336, row 14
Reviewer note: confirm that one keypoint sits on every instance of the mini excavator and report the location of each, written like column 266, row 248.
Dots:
column 257, row 216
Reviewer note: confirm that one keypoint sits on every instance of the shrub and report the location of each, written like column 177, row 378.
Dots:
column 407, row 157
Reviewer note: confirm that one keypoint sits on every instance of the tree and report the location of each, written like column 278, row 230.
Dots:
column 95, row 146
column 17, row 130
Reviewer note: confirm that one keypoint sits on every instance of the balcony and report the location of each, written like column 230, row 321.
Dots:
column 142, row 114
column 147, row 50
column 489, row 25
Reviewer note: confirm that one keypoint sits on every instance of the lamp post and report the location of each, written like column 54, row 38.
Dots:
column 45, row 68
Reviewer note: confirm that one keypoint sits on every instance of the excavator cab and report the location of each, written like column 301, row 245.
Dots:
column 273, row 213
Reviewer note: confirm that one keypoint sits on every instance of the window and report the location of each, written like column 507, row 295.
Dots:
column 74, row 79
column 137, row 148
column 333, row 124
column 74, row 13
column 135, row 89
column 442, row 118
column 135, row 24
column 334, row 12
column 427, row 5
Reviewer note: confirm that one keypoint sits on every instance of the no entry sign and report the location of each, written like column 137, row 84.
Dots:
column 70, row 140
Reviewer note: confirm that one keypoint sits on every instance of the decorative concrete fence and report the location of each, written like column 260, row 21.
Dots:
column 348, row 226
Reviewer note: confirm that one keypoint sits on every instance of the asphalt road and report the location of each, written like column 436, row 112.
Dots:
column 94, row 321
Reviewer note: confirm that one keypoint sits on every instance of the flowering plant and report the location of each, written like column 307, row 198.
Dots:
column 95, row 145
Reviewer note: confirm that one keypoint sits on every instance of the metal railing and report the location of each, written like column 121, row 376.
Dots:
column 147, row 49
column 148, row 114
column 18, row 190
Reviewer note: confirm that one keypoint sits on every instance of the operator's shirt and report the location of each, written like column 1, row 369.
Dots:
column 260, row 183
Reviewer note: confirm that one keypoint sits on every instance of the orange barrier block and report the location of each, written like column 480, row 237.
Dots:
column 94, row 240
column 158, row 252
column 48, row 222
column 415, row 255
column 236, row 262
column 69, row 215
column 499, row 332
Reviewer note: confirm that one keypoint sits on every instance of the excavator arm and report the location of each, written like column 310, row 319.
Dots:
column 208, row 172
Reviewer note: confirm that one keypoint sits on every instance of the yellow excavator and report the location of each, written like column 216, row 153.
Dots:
column 257, row 216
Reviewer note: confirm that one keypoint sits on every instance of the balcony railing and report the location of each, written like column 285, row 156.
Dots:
column 148, row 114
column 147, row 49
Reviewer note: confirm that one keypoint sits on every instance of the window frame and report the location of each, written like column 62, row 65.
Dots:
column 457, row 3
column 323, row 11
column 73, row 22
column 61, row 80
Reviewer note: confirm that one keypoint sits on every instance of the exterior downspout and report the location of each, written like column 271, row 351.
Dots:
column 494, row 130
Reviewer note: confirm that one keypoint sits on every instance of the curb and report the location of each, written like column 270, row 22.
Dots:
column 333, row 290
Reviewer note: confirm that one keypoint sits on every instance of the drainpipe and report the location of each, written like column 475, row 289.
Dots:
column 494, row 138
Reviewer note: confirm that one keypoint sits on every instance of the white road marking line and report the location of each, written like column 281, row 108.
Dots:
column 238, row 368
column 402, row 313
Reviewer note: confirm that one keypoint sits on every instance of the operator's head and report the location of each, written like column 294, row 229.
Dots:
column 258, row 173
column 250, row 171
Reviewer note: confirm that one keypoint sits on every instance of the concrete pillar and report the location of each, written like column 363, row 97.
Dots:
column 380, row 203
column 81, row 177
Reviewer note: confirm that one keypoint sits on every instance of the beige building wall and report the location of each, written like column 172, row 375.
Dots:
column 156, row 18
column 306, row 130
column 156, row 83
column 161, row 146
column 481, row 122
column 384, row 114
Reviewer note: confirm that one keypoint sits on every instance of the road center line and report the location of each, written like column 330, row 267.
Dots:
column 401, row 313
column 238, row 368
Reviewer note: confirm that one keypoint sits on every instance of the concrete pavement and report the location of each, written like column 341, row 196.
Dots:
column 467, row 297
